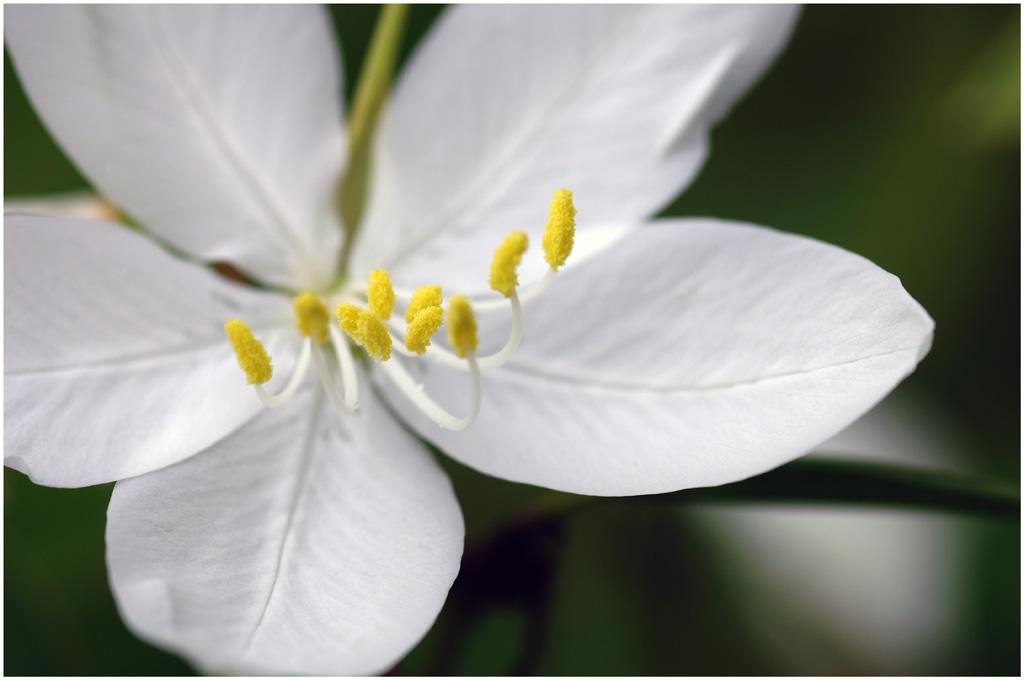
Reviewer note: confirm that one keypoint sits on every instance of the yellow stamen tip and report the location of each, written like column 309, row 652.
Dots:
column 425, row 296
column 252, row 356
column 380, row 295
column 462, row 326
column 422, row 328
column 560, row 229
column 506, row 258
column 366, row 328
column 376, row 338
column 348, row 319
column 311, row 317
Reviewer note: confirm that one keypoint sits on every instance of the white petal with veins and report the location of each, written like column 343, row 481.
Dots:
column 115, row 358
column 502, row 105
column 217, row 127
column 694, row 353
column 305, row 543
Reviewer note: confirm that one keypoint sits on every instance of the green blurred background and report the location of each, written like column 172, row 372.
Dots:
column 891, row 131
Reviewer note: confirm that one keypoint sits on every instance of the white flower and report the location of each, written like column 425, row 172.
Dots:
column 671, row 355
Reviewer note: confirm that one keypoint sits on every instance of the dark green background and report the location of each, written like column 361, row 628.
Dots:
column 891, row 131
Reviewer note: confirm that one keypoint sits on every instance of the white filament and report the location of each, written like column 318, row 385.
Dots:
column 343, row 353
column 349, row 402
column 530, row 293
column 428, row 406
column 448, row 358
column 274, row 400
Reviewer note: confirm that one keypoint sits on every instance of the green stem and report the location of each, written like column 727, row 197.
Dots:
column 370, row 95
column 835, row 482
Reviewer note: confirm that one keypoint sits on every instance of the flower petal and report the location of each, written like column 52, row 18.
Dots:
column 115, row 358
column 502, row 105
column 694, row 353
column 305, row 543
column 219, row 128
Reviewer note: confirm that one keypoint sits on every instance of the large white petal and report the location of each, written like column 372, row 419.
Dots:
column 219, row 128
column 694, row 353
column 305, row 543
column 502, row 105
column 115, row 358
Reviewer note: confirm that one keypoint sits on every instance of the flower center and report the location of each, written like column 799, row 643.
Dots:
column 376, row 331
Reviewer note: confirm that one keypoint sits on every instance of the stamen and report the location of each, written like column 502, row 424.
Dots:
column 506, row 258
column 461, row 326
column 422, row 328
column 348, row 318
column 447, row 358
column 252, row 356
column 380, row 295
column 301, row 366
column 348, row 368
column 425, row 296
column 530, row 293
column 367, row 329
column 350, row 402
column 560, row 229
column 311, row 316
column 342, row 405
column 428, row 406
column 371, row 327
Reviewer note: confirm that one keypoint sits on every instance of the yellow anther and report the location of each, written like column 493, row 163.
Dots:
column 311, row 316
column 425, row 296
column 348, row 319
column 461, row 326
column 380, row 295
column 559, row 230
column 367, row 329
column 376, row 338
column 422, row 328
column 506, row 258
column 252, row 356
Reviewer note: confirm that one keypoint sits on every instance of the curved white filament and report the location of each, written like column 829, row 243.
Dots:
column 428, row 406
column 343, row 353
column 301, row 366
column 533, row 291
column 325, row 381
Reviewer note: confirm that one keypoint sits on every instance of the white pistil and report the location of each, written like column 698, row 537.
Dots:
column 428, row 406
column 274, row 400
